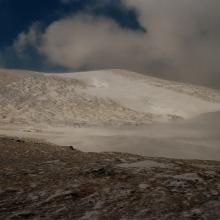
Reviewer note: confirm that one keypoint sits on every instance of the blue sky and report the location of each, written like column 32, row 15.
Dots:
column 17, row 16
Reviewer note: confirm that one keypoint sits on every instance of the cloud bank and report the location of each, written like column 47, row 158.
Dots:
column 182, row 41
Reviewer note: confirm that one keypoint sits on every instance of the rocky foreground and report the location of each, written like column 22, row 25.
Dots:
column 42, row 181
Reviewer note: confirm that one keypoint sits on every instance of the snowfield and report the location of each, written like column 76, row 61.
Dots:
column 112, row 110
column 147, row 94
column 108, row 97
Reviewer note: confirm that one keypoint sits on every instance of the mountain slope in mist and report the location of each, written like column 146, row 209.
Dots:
column 147, row 94
column 111, row 97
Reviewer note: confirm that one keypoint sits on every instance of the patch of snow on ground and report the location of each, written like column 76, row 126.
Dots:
column 143, row 164
column 143, row 186
column 188, row 176
column 90, row 216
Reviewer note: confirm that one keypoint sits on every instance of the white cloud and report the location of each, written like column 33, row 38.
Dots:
column 182, row 42
column 25, row 39
column 87, row 41
column 186, row 33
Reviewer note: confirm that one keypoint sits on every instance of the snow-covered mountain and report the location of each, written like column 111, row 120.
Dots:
column 98, row 97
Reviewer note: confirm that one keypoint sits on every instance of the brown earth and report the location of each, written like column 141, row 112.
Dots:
column 43, row 181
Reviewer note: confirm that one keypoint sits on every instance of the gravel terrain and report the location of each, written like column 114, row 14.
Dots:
column 43, row 181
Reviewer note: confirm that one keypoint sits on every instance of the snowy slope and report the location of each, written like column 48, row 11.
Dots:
column 161, row 98
column 107, row 97
column 38, row 99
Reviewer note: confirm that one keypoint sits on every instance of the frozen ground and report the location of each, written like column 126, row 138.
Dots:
column 161, row 98
column 112, row 110
column 112, row 97
column 197, row 138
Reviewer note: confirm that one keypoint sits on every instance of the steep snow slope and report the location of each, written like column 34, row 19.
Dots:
column 112, row 97
column 163, row 99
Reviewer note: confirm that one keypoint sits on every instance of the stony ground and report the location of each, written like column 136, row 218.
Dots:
column 42, row 181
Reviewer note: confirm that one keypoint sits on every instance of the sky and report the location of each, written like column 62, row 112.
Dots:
column 172, row 39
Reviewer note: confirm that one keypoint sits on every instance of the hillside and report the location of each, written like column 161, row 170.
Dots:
column 111, row 97
column 98, row 145
column 38, row 99
column 57, row 182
